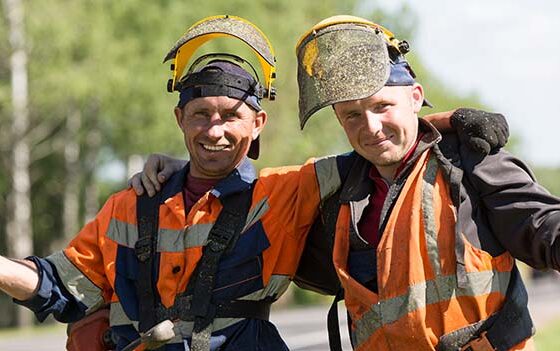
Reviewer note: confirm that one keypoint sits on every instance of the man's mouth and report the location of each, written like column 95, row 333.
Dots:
column 213, row 147
column 377, row 142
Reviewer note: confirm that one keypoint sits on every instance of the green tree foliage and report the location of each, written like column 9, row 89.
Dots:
column 548, row 177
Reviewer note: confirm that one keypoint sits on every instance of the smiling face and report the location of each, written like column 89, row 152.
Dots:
column 218, row 132
column 383, row 127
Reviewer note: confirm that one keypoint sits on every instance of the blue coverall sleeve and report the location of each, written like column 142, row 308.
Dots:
column 51, row 296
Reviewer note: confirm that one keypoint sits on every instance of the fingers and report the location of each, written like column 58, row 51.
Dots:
column 502, row 137
column 168, row 166
column 503, row 130
column 166, row 172
column 497, row 130
column 150, row 173
column 479, row 145
column 148, row 185
column 136, row 184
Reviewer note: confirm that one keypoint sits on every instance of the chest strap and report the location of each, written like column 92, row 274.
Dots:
column 222, row 236
column 147, row 213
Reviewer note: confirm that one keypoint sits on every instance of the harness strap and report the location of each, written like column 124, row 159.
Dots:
column 147, row 213
column 335, row 344
column 182, row 309
column 225, row 230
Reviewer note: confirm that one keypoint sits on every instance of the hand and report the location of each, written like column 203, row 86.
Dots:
column 481, row 131
column 149, row 179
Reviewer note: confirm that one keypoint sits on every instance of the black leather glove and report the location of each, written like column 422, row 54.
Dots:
column 481, row 131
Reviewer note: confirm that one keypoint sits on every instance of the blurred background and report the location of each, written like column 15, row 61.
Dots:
column 83, row 96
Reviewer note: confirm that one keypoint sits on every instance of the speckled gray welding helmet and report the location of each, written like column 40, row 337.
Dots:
column 222, row 26
column 341, row 58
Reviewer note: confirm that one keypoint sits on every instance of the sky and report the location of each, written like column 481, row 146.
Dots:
column 507, row 53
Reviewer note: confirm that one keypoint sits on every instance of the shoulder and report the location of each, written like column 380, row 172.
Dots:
column 120, row 205
column 497, row 168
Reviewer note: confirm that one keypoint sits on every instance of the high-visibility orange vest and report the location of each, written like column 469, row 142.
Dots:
column 419, row 299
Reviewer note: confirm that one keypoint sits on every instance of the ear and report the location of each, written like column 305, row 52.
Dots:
column 259, row 123
column 178, row 116
column 417, row 97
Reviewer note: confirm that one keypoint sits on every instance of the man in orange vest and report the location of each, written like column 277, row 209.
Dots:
column 427, row 230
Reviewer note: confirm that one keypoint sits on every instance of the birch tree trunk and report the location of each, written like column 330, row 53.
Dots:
column 18, row 230
column 93, row 144
column 71, row 205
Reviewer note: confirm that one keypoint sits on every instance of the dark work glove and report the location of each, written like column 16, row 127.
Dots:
column 481, row 131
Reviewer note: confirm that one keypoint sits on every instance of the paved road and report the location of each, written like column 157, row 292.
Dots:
column 304, row 329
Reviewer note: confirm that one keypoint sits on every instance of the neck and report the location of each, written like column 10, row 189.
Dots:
column 388, row 173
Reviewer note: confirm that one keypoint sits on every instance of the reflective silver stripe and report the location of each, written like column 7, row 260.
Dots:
column 126, row 234
column 196, row 235
column 118, row 317
column 327, row 176
column 429, row 215
column 76, row 282
column 276, row 287
column 423, row 294
column 256, row 213
column 170, row 240
column 123, row 233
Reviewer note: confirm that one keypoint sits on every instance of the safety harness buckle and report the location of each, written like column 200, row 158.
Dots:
column 479, row 344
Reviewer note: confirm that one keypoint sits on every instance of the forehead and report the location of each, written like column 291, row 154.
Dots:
column 392, row 94
column 216, row 103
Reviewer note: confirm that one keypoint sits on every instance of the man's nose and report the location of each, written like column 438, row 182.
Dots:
column 215, row 127
column 373, row 122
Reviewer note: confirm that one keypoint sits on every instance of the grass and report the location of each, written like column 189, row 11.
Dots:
column 548, row 338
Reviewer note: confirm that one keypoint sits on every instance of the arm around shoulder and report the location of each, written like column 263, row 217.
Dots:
column 523, row 215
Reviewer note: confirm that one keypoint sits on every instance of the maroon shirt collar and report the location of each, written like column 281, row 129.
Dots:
column 194, row 188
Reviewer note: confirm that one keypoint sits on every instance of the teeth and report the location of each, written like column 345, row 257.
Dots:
column 214, row 147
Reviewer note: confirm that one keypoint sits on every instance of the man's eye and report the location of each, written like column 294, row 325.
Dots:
column 381, row 107
column 201, row 114
column 229, row 115
column 353, row 115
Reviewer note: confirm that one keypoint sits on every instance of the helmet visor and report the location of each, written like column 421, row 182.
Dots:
column 340, row 63
column 222, row 26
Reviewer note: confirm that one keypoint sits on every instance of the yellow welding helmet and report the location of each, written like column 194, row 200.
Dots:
column 223, row 26
column 344, row 58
